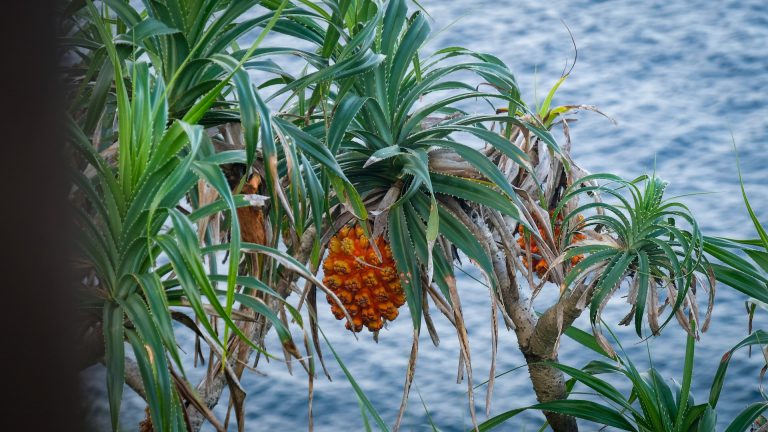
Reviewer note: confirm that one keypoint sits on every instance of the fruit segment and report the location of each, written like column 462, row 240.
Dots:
column 367, row 285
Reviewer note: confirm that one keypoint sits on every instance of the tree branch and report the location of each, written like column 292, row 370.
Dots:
column 132, row 377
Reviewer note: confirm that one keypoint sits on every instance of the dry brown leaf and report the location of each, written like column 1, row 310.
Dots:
column 408, row 379
column 252, row 227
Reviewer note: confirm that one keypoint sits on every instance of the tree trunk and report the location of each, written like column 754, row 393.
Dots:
column 549, row 385
column 537, row 337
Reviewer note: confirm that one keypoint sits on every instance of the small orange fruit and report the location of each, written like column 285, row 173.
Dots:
column 367, row 286
column 539, row 265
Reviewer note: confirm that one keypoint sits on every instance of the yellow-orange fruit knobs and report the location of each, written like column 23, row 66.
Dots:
column 367, row 286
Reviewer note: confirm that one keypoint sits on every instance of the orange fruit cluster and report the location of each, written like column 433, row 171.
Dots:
column 539, row 264
column 368, row 286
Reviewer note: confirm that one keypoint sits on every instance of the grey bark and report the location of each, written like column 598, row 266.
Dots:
column 538, row 338
column 132, row 377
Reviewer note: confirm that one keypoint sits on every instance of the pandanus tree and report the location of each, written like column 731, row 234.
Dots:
column 655, row 402
column 390, row 164
column 141, row 255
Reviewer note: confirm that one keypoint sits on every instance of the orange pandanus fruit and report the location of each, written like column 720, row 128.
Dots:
column 368, row 286
column 538, row 263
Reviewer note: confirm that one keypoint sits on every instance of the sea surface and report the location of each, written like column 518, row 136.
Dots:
column 684, row 80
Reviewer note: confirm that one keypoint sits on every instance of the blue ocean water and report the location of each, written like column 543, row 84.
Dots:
column 681, row 79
